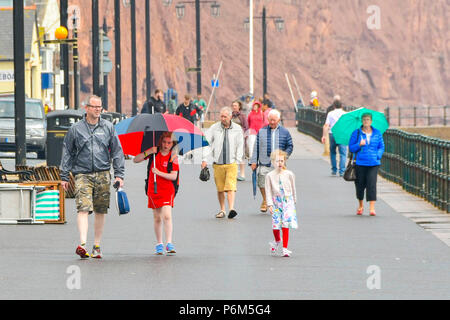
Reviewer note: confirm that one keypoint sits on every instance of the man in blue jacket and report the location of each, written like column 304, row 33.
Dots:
column 269, row 138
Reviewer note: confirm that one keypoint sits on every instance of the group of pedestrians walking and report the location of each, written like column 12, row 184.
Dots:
column 256, row 139
column 269, row 148
column 190, row 109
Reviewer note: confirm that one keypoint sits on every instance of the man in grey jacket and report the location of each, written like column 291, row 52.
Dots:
column 88, row 150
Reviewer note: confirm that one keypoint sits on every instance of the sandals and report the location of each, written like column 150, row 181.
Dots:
column 263, row 207
column 373, row 214
column 221, row 214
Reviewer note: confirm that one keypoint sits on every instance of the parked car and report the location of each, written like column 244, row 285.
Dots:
column 36, row 126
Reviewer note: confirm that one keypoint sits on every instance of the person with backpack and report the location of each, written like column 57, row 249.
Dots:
column 166, row 169
column 331, row 120
column 172, row 104
column 155, row 104
column 187, row 110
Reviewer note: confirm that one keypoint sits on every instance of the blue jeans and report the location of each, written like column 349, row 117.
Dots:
column 342, row 156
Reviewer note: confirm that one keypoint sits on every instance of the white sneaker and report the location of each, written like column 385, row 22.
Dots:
column 274, row 247
column 286, row 252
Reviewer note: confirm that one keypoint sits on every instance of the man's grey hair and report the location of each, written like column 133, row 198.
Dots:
column 274, row 113
column 93, row 96
column 228, row 110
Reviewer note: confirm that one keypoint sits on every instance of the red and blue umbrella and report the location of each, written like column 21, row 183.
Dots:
column 139, row 133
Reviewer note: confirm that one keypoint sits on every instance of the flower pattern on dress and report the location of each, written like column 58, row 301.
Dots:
column 284, row 212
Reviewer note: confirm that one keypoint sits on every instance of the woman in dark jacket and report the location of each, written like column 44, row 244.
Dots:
column 368, row 145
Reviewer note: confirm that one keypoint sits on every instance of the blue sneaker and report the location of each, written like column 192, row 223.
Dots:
column 170, row 249
column 159, row 249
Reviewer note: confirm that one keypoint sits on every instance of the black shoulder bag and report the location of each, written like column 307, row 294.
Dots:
column 350, row 171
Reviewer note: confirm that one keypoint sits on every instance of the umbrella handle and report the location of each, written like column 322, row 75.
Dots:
column 154, row 175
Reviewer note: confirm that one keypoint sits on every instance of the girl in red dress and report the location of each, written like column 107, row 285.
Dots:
column 162, row 201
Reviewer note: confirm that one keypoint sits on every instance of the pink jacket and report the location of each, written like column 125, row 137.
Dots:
column 266, row 117
column 255, row 121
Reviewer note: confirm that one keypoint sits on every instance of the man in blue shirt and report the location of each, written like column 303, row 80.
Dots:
column 269, row 138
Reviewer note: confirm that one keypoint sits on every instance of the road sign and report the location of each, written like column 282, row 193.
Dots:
column 107, row 45
column 193, row 69
column 215, row 83
column 106, row 65
column 66, row 41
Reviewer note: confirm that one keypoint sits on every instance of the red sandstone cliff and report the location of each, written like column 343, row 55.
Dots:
column 326, row 45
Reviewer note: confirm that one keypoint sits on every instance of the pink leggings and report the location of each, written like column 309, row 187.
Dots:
column 276, row 233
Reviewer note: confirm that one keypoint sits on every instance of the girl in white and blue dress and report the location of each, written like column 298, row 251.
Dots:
column 281, row 200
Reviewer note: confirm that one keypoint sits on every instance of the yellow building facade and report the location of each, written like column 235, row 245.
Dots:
column 32, row 54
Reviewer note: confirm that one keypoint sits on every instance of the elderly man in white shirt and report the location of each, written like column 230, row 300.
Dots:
column 332, row 118
column 226, row 148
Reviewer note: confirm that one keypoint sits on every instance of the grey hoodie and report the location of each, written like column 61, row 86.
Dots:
column 86, row 152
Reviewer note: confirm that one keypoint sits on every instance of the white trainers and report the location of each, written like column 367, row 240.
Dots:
column 274, row 247
column 286, row 252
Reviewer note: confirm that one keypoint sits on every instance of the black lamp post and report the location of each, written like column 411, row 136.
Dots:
column 132, row 4
column 76, row 78
column 117, row 56
column 279, row 23
column 19, row 83
column 133, row 59
column 147, row 49
column 95, row 50
column 64, row 55
column 215, row 11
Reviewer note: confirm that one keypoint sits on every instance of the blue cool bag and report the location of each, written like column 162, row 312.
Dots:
column 122, row 205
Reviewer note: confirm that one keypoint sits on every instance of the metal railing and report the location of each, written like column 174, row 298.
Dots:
column 420, row 164
column 416, row 116
column 310, row 122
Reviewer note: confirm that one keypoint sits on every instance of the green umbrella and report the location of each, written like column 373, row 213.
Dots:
column 350, row 121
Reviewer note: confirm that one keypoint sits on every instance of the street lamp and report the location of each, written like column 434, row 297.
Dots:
column 180, row 11
column 215, row 9
column 247, row 24
column 279, row 23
